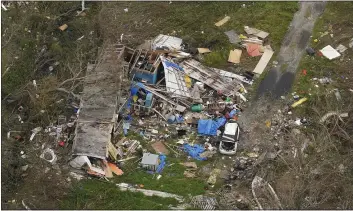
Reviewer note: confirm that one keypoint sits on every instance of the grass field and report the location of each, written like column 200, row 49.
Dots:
column 194, row 22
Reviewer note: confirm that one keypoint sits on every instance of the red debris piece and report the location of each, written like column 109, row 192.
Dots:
column 62, row 143
column 304, row 72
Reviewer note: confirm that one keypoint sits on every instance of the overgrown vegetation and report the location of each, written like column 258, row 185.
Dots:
column 33, row 48
column 335, row 22
column 320, row 176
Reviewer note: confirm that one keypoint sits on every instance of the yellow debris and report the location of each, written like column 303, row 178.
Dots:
column 135, row 98
column 187, row 81
column 299, row 102
column 241, row 36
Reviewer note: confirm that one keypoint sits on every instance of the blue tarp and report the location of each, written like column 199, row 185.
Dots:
column 161, row 165
column 209, row 127
column 204, row 127
column 233, row 113
column 194, row 151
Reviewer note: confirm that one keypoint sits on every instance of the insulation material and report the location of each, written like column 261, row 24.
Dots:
column 234, row 56
column 330, row 53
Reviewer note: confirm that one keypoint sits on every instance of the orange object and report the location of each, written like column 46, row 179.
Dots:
column 107, row 170
column 115, row 169
column 304, row 72
column 235, row 117
column 253, row 49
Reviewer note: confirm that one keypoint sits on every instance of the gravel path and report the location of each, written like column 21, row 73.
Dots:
column 280, row 78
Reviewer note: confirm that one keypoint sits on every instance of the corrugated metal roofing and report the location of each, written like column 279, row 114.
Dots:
column 232, row 75
column 97, row 110
column 174, row 79
column 208, row 76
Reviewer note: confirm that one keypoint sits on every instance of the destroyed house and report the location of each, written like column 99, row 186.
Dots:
column 144, row 65
column 98, row 105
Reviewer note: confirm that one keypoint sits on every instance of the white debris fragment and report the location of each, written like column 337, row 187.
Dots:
column 80, row 38
column 125, row 186
column 35, row 83
column 49, row 155
column 298, row 122
column 341, row 48
column 3, row 7
column 330, row 53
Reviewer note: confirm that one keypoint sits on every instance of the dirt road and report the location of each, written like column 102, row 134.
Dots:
column 280, row 78
column 278, row 82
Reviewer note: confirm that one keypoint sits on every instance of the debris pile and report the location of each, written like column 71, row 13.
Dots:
column 167, row 103
column 242, row 169
column 204, row 202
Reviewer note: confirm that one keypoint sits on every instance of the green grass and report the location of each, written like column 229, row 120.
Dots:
column 337, row 15
column 189, row 19
column 172, row 180
column 97, row 195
